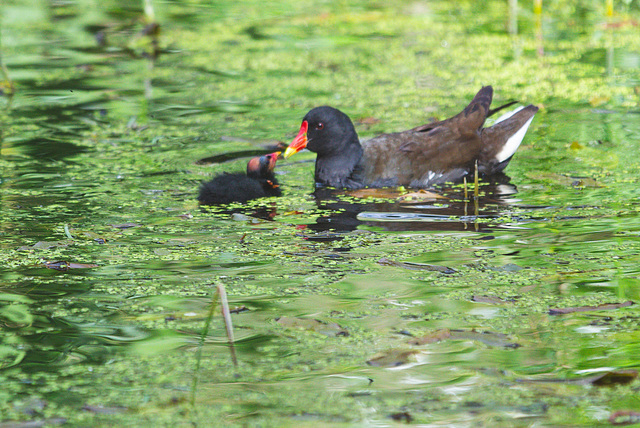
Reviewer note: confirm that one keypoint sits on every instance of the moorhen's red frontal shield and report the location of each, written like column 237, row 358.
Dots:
column 298, row 143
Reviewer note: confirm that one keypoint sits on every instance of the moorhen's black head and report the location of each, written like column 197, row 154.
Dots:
column 326, row 131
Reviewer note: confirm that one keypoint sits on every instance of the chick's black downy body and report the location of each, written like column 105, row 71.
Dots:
column 258, row 182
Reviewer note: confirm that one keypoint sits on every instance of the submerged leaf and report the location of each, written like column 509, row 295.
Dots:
column 415, row 266
column 610, row 378
column 604, row 307
column 104, row 410
column 402, row 417
column 565, row 180
column 45, row 245
column 615, row 377
column 624, row 417
column 488, row 299
column 16, row 315
column 436, row 336
column 486, row 337
column 34, row 424
column 125, row 225
column 393, row 358
column 576, row 146
column 596, row 101
column 327, row 329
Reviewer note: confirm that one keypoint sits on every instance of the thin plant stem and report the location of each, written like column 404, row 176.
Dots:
column 205, row 331
column 476, row 186
column 227, row 322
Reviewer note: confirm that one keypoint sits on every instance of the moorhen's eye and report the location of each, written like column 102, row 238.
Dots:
column 319, row 126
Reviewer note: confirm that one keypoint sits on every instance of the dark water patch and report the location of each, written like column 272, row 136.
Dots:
column 48, row 343
column 217, row 72
column 48, row 148
column 62, row 88
column 232, row 156
column 223, row 106
column 449, row 211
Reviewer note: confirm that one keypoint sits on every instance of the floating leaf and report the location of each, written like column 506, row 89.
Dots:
column 239, row 309
column 604, row 307
column 374, row 193
column 62, row 265
column 395, row 194
column 420, row 195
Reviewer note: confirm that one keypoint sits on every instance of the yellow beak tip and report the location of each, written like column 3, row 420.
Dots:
column 288, row 152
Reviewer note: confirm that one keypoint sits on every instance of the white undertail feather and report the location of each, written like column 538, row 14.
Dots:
column 507, row 115
column 514, row 141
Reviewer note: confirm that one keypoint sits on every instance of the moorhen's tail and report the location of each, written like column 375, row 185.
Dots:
column 497, row 109
column 471, row 118
column 501, row 140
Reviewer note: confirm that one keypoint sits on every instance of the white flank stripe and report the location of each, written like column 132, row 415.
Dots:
column 507, row 115
column 433, row 176
column 514, row 141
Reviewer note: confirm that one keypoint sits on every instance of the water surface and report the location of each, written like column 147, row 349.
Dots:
column 103, row 149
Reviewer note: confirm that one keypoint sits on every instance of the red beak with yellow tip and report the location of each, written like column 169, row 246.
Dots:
column 298, row 143
column 273, row 158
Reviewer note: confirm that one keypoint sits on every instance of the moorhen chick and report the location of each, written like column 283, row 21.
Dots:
column 258, row 182
column 435, row 153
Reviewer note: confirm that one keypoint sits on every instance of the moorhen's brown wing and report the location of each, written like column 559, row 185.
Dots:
column 432, row 153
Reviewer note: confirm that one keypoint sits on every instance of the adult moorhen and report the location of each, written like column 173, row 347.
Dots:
column 438, row 152
column 258, row 182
